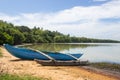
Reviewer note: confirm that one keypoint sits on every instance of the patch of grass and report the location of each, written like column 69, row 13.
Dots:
column 16, row 77
column 0, row 53
column 107, row 66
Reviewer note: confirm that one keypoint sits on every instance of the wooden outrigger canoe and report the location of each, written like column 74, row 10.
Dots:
column 61, row 63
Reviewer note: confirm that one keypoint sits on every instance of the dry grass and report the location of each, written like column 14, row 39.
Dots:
column 4, row 75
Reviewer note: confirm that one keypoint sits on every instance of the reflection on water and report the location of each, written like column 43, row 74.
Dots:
column 59, row 47
column 94, row 52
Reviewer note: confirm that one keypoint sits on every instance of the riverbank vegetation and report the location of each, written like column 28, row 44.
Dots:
column 12, row 34
column 106, row 66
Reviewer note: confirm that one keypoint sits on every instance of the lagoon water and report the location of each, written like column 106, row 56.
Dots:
column 94, row 52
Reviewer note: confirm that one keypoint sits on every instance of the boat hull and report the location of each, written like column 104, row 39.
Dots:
column 29, row 54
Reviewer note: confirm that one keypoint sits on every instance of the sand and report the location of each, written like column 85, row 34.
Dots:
column 14, row 65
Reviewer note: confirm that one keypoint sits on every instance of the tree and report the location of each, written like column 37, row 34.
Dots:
column 5, row 38
column 18, row 37
column 23, row 34
column 23, row 29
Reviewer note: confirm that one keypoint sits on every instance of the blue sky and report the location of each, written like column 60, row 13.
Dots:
column 32, row 6
column 88, row 18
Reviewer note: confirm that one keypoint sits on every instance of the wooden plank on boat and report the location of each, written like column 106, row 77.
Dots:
column 61, row 63
column 45, row 55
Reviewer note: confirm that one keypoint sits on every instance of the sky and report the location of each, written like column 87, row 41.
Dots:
column 82, row 18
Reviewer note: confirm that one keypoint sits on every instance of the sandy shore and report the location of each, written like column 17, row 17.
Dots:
column 14, row 65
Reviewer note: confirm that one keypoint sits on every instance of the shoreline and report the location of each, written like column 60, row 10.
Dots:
column 105, row 72
column 17, row 66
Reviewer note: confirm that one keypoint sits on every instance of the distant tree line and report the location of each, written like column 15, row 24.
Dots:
column 23, row 34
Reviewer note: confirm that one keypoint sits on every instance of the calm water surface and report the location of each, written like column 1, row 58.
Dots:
column 94, row 52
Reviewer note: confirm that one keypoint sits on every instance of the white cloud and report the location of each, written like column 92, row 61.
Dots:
column 78, row 21
column 8, row 18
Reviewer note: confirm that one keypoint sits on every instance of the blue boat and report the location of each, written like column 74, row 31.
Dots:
column 29, row 54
